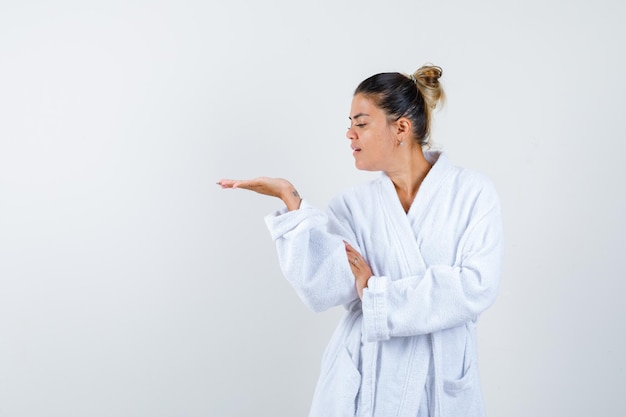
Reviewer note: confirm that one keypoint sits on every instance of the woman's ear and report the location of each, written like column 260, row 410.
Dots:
column 403, row 127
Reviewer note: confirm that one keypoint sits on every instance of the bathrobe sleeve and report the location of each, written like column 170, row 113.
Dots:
column 444, row 296
column 312, row 255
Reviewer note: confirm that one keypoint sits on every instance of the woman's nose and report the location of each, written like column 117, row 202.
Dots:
column 350, row 133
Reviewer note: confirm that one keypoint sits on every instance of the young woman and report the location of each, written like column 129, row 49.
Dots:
column 414, row 256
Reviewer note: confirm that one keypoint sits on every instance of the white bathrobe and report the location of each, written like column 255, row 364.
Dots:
column 409, row 347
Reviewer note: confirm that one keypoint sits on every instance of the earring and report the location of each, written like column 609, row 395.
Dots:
column 401, row 143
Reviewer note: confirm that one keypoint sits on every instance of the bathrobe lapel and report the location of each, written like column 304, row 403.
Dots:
column 429, row 189
column 407, row 226
column 404, row 229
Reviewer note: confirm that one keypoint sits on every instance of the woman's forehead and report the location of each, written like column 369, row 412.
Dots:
column 363, row 106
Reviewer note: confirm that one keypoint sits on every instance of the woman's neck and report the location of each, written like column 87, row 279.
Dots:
column 409, row 174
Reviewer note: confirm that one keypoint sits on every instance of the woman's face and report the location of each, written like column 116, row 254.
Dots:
column 372, row 138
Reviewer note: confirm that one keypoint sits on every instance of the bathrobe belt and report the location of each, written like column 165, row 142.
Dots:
column 438, row 371
column 417, row 374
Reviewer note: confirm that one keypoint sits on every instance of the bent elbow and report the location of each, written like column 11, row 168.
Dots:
column 484, row 300
column 480, row 290
column 313, row 302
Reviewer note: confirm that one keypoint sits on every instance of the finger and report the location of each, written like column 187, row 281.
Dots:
column 352, row 257
column 252, row 184
column 245, row 184
column 354, row 261
column 350, row 251
column 225, row 183
column 229, row 183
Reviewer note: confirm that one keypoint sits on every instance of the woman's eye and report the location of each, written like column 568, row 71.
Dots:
column 360, row 124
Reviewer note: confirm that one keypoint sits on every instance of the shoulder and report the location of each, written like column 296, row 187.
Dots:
column 358, row 191
column 479, row 184
column 465, row 178
column 465, row 186
column 356, row 196
column 476, row 181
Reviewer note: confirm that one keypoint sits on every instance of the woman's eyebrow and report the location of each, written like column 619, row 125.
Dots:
column 356, row 116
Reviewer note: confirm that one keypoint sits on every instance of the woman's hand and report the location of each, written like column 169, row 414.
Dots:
column 274, row 187
column 360, row 269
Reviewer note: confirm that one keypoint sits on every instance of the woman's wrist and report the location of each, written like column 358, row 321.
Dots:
column 291, row 198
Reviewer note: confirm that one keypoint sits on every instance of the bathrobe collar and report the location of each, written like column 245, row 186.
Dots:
column 403, row 223
column 427, row 190
column 405, row 226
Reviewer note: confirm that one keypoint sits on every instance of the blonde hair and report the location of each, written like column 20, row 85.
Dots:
column 427, row 80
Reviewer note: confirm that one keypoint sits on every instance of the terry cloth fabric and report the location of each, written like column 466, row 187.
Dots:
column 409, row 347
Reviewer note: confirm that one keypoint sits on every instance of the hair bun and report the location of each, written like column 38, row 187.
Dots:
column 427, row 80
column 429, row 73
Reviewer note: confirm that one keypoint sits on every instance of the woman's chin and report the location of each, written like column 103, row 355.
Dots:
column 363, row 167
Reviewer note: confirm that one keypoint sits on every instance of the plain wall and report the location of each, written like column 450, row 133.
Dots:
column 131, row 285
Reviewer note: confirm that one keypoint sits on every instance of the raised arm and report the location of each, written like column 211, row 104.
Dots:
column 274, row 187
column 312, row 255
column 310, row 244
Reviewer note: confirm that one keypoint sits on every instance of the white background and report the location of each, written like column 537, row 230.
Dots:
column 131, row 285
